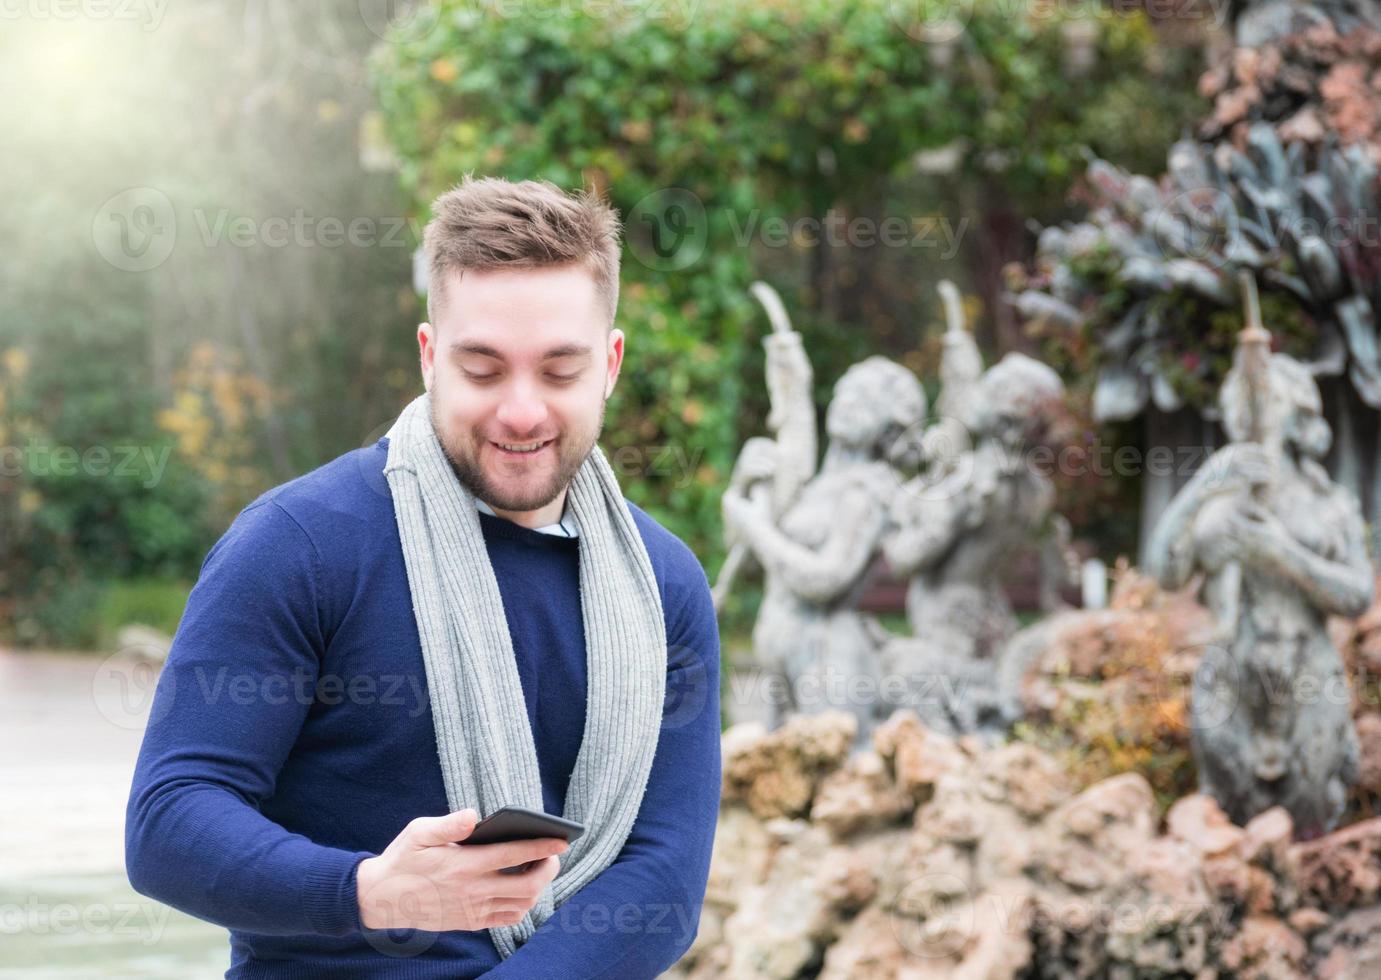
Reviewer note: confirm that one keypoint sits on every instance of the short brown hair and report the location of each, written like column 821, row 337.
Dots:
column 492, row 223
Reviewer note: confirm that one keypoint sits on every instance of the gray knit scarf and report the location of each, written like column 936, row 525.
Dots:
column 488, row 757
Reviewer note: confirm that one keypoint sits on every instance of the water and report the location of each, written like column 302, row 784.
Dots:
column 71, row 727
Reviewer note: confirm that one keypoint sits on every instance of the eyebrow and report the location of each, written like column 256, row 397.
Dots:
column 484, row 350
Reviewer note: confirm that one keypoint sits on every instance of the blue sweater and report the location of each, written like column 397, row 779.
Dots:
column 291, row 737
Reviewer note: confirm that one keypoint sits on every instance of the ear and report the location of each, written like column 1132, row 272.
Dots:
column 615, row 361
column 426, row 344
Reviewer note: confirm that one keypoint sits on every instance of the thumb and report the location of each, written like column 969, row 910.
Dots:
column 450, row 829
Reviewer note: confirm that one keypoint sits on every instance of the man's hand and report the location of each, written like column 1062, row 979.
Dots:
column 426, row 879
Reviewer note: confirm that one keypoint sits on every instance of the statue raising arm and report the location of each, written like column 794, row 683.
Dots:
column 774, row 468
column 961, row 365
column 792, row 416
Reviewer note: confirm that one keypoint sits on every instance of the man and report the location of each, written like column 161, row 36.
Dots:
column 463, row 616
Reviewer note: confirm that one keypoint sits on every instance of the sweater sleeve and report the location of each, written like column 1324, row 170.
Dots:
column 228, row 707
column 640, row 915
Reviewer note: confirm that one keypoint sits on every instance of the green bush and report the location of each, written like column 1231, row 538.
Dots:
column 145, row 602
column 93, row 491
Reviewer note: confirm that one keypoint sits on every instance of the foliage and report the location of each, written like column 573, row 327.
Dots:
column 92, row 488
column 759, row 110
column 235, row 366
column 1094, row 740
column 1193, row 341
column 1149, row 282
column 214, row 402
column 1112, row 694
column 156, row 603
column 230, row 366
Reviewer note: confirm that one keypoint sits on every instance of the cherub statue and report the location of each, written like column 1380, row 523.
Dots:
column 979, row 501
column 816, row 551
column 1281, row 547
column 957, row 526
column 773, row 470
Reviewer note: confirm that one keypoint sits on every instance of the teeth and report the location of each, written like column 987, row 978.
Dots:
column 523, row 448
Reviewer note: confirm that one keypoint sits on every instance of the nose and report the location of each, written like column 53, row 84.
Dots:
column 521, row 412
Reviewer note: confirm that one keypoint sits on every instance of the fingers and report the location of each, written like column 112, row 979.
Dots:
column 507, row 898
column 504, row 917
column 492, row 857
column 493, row 910
column 524, row 887
column 435, row 831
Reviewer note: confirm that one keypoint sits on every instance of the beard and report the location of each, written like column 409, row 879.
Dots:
column 463, row 452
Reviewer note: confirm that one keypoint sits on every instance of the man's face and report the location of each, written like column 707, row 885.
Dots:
column 519, row 364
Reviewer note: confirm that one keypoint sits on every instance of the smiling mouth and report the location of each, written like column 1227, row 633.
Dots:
column 518, row 449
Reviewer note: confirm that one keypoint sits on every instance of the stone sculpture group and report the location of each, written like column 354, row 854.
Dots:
column 945, row 503
column 1270, row 542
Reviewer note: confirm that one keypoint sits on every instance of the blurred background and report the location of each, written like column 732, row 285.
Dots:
column 210, row 287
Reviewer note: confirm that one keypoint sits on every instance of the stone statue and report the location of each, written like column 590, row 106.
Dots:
column 774, row 469
column 1281, row 547
column 957, row 526
column 816, row 532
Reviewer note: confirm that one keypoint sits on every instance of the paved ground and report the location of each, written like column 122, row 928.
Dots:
column 70, row 726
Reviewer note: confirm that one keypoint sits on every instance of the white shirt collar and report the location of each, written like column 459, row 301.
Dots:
column 564, row 528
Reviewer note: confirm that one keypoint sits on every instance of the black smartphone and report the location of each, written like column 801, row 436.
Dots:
column 510, row 823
